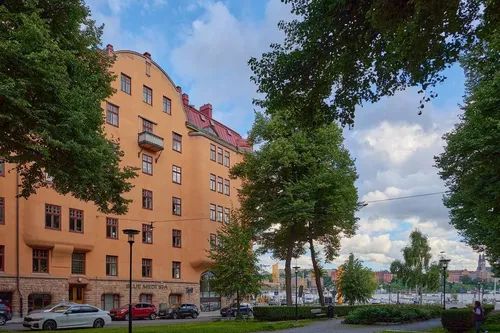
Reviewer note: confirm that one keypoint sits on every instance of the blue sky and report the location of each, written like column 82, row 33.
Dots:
column 205, row 45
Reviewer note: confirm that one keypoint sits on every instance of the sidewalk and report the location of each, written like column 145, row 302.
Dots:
column 335, row 325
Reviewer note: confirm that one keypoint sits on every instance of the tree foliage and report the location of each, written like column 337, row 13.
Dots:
column 470, row 164
column 416, row 269
column 340, row 54
column 355, row 283
column 235, row 269
column 53, row 78
column 298, row 188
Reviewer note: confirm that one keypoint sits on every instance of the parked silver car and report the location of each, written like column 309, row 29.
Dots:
column 68, row 316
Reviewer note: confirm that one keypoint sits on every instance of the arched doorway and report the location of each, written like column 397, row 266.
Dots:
column 209, row 299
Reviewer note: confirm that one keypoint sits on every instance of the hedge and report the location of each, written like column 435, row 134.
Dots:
column 457, row 320
column 273, row 313
column 396, row 313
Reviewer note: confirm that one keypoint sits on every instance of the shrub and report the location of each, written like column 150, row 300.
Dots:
column 493, row 317
column 392, row 314
column 457, row 320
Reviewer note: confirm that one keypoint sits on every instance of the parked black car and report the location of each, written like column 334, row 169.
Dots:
column 5, row 314
column 182, row 311
column 231, row 311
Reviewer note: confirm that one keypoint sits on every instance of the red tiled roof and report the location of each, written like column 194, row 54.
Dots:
column 208, row 124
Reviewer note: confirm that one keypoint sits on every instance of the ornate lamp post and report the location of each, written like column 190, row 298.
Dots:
column 444, row 264
column 296, row 268
column 130, row 233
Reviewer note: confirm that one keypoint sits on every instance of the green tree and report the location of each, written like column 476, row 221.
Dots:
column 235, row 264
column 355, row 282
column 341, row 54
column 470, row 164
column 53, row 78
column 416, row 270
column 298, row 188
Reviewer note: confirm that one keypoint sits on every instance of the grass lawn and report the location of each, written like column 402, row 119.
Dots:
column 205, row 327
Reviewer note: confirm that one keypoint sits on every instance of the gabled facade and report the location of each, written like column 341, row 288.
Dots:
column 55, row 247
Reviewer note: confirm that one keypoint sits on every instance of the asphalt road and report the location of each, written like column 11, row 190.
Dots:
column 17, row 325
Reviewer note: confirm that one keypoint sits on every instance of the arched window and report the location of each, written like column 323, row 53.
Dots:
column 209, row 299
column 38, row 301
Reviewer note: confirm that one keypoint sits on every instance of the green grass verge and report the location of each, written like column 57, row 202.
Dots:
column 205, row 327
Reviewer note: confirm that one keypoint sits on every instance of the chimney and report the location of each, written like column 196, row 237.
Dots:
column 206, row 109
column 147, row 55
column 185, row 99
column 109, row 49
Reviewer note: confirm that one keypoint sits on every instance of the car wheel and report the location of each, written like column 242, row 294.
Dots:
column 194, row 315
column 126, row 317
column 250, row 313
column 152, row 316
column 3, row 320
column 49, row 325
column 175, row 316
column 98, row 323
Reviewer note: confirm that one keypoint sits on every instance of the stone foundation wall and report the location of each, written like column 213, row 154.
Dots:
column 58, row 288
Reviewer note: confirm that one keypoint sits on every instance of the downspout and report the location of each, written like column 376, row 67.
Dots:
column 17, row 247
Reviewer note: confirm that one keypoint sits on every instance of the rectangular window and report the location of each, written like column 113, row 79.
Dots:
column 110, row 301
column 147, row 199
column 147, row 95
column 2, row 258
column 75, row 220
column 176, row 238
column 212, row 182
column 219, row 155
column 78, row 263
column 147, row 126
column 126, row 84
column 176, row 174
column 147, row 164
column 212, row 152
column 212, row 212
column 213, row 241
column 111, row 265
column 219, row 213
column 147, row 233
column 40, row 261
column 220, row 188
column 111, row 228
column 176, row 270
column 52, row 217
column 146, row 298
column 167, row 105
column 176, row 206
column 226, row 158
column 226, row 215
column 176, row 142
column 2, row 167
column 227, row 186
column 112, row 114
column 147, row 267
column 2, row 211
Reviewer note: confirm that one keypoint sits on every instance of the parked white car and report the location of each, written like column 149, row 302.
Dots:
column 68, row 316
column 50, row 307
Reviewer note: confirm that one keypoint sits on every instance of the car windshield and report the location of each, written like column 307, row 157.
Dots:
column 60, row 309
column 50, row 306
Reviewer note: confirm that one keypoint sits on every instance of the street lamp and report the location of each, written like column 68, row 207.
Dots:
column 296, row 268
column 444, row 264
column 130, row 233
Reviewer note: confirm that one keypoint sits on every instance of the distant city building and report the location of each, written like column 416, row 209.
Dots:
column 481, row 273
column 383, row 277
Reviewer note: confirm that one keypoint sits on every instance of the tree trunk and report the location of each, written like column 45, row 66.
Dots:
column 288, row 275
column 317, row 272
column 238, row 315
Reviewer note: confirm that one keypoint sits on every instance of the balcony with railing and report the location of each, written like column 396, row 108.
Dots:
column 150, row 141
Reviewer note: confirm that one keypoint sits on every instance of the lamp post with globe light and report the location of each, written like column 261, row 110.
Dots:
column 444, row 264
column 130, row 233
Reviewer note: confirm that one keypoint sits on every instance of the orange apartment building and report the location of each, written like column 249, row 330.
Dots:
column 55, row 247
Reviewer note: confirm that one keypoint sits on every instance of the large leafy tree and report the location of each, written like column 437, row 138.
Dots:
column 470, row 164
column 53, row 78
column 235, row 264
column 416, row 270
column 340, row 54
column 355, row 283
column 298, row 188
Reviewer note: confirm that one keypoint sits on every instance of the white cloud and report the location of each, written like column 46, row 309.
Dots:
column 370, row 226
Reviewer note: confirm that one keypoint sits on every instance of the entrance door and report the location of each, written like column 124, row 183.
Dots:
column 76, row 294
